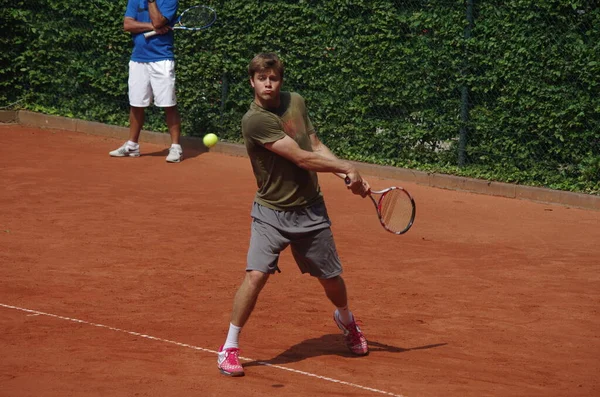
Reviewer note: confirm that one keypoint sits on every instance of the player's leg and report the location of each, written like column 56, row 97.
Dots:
column 246, row 297
column 173, row 120
column 243, row 304
column 140, row 96
column 137, row 116
column 174, row 124
column 162, row 79
column 335, row 289
column 266, row 243
column 316, row 254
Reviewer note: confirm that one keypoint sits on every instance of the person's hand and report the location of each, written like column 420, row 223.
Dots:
column 356, row 184
column 163, row 30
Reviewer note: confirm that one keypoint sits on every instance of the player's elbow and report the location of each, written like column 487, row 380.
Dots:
column 127, row 24
column 158, row 23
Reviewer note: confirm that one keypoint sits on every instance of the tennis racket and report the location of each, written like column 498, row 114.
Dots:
column 194, row 18
column 395, row 208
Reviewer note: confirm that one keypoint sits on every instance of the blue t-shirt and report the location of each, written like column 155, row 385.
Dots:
column 155, row 48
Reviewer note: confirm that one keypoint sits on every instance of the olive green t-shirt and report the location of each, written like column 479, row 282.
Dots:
column 282, row 185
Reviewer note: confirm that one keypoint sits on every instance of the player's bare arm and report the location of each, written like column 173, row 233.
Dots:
column 315, row 161
column 319, row 147
column 157, row 18
column 132, row 26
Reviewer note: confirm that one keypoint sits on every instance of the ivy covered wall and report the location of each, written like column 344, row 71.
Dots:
column 501, row 90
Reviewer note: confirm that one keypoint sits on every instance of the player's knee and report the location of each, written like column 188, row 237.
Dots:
column 256, row 280
column 332, row 282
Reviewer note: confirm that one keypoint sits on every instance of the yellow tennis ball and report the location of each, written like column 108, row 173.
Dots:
column 210, row 140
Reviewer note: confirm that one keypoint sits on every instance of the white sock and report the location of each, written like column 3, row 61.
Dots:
column 132, row 145
column 233, row 337
column 175, row 145
column 345, row 315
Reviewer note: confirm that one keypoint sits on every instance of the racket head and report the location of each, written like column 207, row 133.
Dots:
column 396, row 209
column 196, row 18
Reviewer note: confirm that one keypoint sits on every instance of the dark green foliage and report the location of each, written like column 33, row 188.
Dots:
column 383, row 80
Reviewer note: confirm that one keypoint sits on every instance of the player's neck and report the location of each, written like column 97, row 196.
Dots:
column 268, row 104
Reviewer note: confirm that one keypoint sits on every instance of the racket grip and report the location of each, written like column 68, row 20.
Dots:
column 344, row 177
column 150, row 34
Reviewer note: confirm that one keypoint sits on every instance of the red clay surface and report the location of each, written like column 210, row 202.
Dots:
column 117, row 277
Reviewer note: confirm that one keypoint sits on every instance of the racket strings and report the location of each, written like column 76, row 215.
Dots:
column 197, row 17
column 396, row 210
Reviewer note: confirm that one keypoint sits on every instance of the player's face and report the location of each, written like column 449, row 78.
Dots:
column 266, row 84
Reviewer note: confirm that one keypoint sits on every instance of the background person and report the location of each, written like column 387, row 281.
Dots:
column 151, row 72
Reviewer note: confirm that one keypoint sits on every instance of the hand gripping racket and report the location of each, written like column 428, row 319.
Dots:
column 194, row 18
column 395, row 208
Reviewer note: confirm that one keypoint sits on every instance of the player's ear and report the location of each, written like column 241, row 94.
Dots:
column 252, row 81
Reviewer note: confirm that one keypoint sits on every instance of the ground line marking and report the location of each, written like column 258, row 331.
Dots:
column 266, row 364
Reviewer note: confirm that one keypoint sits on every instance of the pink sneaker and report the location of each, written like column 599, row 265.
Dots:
column 355, row 340
column 228, row 362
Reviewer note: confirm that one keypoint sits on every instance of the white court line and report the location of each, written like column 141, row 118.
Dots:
column 341, row 382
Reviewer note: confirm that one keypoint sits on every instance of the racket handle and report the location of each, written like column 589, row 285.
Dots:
column 344, row 177
column 150, row 34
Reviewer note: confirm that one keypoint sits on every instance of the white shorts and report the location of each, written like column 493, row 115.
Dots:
column 152, row 79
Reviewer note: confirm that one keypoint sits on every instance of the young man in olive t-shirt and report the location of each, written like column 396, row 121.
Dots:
column 288, row 208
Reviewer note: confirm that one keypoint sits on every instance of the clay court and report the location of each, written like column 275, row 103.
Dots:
column 117, row 278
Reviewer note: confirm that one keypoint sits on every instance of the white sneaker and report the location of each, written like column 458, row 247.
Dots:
column 175, row 154
column 125, row 151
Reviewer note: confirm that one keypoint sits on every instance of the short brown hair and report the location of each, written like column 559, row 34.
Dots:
column 264, row 61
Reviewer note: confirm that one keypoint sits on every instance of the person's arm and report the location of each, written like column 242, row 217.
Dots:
column 159, row 22
column 320, row 148
column 132, row 26
column 157, row 18
column 320, row 160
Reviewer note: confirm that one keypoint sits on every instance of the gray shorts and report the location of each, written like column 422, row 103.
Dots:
column 307, row 231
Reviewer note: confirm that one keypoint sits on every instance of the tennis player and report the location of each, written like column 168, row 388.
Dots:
column 151, row 72
column 288, row 208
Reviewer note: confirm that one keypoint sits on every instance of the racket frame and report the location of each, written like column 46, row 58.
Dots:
column 177, row 24
column 378, row 203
